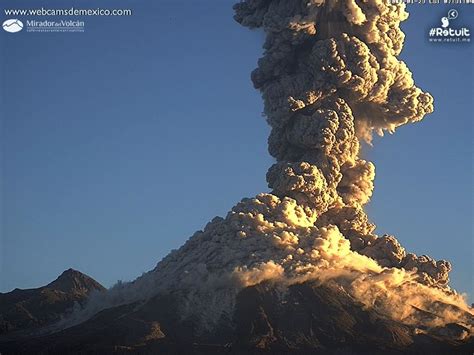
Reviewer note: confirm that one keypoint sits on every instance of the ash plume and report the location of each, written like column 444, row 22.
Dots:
column 329, row 78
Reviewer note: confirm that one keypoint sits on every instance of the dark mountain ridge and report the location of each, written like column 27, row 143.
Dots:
column 29, row 309
column 312, row 318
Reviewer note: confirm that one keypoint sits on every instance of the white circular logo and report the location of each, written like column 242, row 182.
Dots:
column 453, row 14
column 12, row 25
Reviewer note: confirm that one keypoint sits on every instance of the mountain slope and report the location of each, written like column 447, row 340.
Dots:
column 32, row 308
column 304, row 318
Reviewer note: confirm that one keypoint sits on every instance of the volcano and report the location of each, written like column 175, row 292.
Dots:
column 298, row 269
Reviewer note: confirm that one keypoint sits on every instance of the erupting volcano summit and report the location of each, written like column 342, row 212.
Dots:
column 303, row 260
column 329, row 77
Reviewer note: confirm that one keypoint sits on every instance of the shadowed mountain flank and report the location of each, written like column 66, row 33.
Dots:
column 33, row 308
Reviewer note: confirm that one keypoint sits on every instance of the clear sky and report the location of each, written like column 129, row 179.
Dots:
column 118, row 143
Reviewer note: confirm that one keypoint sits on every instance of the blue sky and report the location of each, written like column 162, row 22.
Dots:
column 118, row 143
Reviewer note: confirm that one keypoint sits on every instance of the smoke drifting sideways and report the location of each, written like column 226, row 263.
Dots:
column 329, row 78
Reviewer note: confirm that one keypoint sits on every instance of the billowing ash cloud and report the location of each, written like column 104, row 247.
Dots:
column 329, row 77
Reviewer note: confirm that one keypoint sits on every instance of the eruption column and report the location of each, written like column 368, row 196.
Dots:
column 329, row 76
